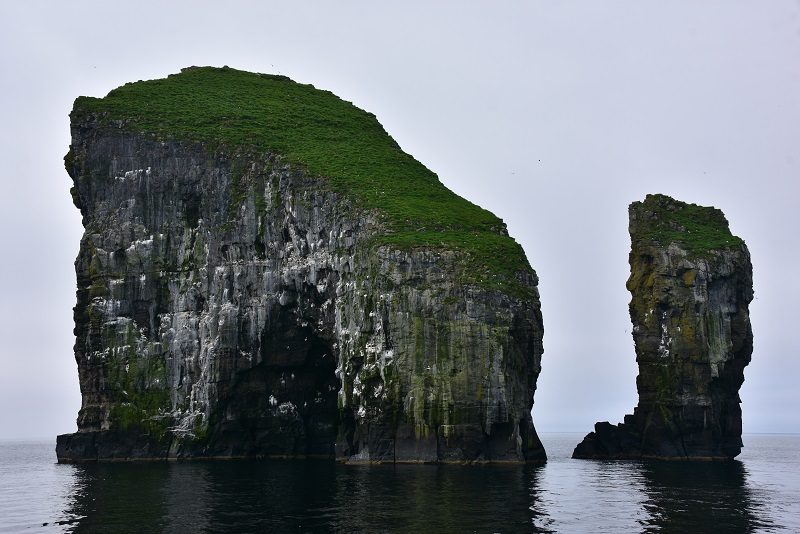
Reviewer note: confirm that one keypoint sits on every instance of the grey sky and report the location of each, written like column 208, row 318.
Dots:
column 554, row 115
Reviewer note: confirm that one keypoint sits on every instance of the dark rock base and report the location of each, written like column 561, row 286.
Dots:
column 625, row 442
column 469, row 445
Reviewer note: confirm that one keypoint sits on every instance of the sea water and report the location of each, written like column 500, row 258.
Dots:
column 757, row 492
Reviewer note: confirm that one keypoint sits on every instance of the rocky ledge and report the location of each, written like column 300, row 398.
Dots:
column 265, row 273
column 691, row 283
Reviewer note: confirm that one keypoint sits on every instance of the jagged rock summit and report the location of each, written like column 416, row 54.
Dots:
column 691, row 283
column 265, row 273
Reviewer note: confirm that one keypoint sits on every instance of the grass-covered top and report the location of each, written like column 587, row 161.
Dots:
column 235, row 111
column 698, row 229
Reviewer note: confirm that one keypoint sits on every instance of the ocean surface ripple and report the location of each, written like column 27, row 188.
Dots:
column 759, row 492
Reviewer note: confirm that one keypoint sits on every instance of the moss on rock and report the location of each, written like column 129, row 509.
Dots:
column 698, row 229
column 238, row 112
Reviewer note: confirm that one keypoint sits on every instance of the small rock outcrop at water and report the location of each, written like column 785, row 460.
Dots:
column 265, row 273
column 691, row 283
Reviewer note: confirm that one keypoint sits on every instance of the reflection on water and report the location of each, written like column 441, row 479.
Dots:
column 627, row 496
column 303, row 496
column 699, row 497
column 760, row 493
column 119, row 498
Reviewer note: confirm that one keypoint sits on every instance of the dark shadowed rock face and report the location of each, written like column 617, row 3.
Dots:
column 691, row 283
column 233, row 303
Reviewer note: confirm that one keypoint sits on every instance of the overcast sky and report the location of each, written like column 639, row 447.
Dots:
column 553, row 115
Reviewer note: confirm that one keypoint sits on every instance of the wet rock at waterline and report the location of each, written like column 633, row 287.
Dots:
column 691, row 283
column 264, row 272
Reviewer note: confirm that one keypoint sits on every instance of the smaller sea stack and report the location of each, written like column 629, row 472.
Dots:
column 691, row 283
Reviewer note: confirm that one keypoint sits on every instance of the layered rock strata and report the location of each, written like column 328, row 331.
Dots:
column 691, row 283
column 251, row 286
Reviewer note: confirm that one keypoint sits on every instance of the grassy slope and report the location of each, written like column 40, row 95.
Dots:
column 230, row 109
column 698, row 229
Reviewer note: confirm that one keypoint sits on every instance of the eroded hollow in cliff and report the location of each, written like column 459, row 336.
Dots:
column 286, row 404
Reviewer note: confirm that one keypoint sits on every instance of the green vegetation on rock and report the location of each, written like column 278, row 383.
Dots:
column 238, row 113
column 139, row 383
column 698, row 229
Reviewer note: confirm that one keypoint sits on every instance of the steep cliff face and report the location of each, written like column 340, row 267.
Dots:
column 265, row 273
column 691, row 283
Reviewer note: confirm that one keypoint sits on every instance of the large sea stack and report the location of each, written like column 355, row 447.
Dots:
column 265, row 273
column 691, row 283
